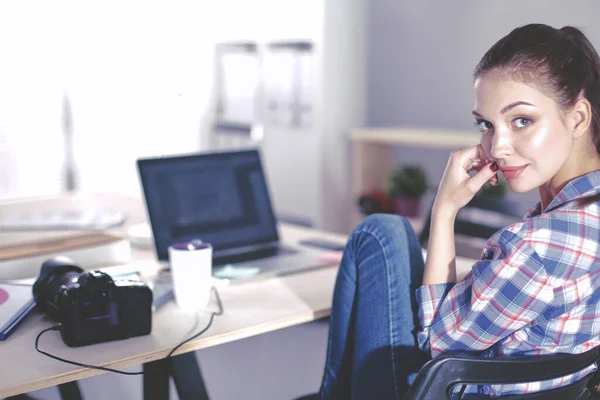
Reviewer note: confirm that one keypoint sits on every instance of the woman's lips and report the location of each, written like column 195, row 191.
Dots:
column 512, row 172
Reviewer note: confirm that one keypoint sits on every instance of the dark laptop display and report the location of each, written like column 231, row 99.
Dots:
column 219, row 198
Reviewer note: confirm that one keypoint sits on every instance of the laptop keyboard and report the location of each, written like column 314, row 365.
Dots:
column 254, row 255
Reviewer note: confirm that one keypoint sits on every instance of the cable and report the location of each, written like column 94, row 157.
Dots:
column 59, row 327
column 212, row 316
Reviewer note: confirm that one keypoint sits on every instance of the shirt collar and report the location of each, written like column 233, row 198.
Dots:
column 583, row 186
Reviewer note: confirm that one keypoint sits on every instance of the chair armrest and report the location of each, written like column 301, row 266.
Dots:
column 438, row 376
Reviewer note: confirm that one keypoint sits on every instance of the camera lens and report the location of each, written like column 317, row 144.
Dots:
column 54, row 274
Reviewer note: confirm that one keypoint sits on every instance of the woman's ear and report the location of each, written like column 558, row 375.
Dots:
column 580, row 117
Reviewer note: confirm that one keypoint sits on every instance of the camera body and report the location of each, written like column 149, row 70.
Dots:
column 91, row 306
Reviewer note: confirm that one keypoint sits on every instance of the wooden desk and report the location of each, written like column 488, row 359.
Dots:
column 249, row 309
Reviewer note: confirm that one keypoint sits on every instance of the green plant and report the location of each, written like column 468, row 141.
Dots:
column 407, row 181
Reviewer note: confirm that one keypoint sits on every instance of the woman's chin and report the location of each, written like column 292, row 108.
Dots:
column 520, row 186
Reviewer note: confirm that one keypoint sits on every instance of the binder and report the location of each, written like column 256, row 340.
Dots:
column 16, row 301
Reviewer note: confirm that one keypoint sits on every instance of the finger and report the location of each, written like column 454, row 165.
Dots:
column 476, row 163
column 494, row 180
column 471, row 153
column 480, row 178
column 473, row 158
column 481, row 152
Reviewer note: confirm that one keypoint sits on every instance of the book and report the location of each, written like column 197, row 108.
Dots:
column 89, row 250
column 16, row 301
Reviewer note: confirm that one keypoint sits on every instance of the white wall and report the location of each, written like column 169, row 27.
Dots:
column 422, row 54
column 344, row 103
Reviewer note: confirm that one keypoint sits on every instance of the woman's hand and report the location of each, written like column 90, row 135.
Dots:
column 459, row 185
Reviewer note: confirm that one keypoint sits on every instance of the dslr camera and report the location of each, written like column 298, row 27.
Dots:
column 91, row 306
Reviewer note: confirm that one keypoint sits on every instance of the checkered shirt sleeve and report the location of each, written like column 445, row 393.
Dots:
column 499, row 296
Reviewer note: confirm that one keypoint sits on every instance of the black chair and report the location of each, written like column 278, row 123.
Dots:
column 438, row 376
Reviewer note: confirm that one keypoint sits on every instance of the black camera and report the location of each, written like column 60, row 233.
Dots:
column 91, row 306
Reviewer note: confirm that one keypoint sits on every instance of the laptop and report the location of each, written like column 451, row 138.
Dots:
column 221, row 198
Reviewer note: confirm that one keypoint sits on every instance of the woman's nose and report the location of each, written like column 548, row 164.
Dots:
column 502, row 145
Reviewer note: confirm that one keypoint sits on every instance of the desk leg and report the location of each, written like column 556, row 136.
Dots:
column 188, row 377
column 186, row 374
column 70, row 391
column 156, row 380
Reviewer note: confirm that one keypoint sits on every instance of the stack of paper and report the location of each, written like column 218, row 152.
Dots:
column 16, row 301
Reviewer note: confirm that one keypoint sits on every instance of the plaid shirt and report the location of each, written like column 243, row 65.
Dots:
column 536, row 290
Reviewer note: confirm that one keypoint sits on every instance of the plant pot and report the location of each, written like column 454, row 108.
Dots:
column 408, row 206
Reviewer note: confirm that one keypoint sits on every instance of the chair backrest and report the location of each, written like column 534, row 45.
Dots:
column 440, row 375
column 482, row 217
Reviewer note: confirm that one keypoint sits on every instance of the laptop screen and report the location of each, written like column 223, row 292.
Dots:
column 219, row 198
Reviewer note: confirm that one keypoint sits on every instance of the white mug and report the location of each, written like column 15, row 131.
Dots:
column 191, row 271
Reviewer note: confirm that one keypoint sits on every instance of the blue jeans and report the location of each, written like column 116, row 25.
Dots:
column 372, row 350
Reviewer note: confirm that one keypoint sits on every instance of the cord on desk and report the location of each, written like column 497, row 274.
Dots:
column 212, row 316
column 59, row 327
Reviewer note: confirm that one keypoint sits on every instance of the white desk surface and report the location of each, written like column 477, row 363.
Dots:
column 249, row 309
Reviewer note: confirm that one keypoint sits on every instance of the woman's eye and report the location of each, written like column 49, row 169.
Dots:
column 521, row 122
column 483, row 125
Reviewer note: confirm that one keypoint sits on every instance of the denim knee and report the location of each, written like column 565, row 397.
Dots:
column 386, row 225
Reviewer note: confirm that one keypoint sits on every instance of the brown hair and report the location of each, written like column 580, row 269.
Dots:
column 562, row 62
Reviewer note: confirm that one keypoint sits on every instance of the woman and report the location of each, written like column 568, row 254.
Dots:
column 537, row 104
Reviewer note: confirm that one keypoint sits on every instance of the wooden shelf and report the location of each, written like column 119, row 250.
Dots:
column 373, row 155
column 418, row 136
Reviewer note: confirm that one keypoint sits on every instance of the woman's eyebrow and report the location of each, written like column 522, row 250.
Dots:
column 513, row 105
column 508, row 107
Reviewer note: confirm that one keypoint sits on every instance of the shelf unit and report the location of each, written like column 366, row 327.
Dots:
column 373, row 156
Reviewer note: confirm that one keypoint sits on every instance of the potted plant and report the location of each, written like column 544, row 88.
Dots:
column 407, row 184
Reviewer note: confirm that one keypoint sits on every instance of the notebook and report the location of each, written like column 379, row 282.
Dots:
column 221, row 198
column 16, row 301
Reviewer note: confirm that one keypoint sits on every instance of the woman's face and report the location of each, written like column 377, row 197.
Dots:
column 523, row 131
